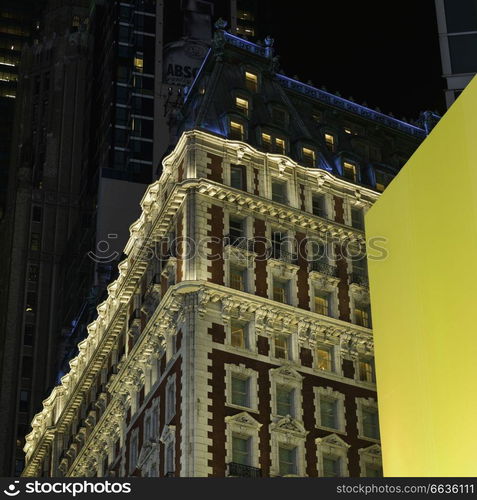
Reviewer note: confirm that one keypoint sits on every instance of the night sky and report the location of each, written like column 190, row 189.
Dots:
column 384, row 53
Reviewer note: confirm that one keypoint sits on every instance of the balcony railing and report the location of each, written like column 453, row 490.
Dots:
column 239, row 242
column 359, row 278
column 323, row 268
column 276, row 252
column 240, row 470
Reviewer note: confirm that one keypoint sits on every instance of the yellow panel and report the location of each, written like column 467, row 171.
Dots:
column 424, row 302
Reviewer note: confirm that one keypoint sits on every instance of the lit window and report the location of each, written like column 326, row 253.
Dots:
column 328, row 413
column 281, row 346
column 236, row 131
column 322, row 305
column 331, row 466
column 349, row 171
column 279, row 145
column 324, row 358
column 242, row 105
column 245, row 31
column 319, row 205
column 362, row 316
column 309, row 158
column 238, row 177
column 285, row 403
column 279, row 191
column 348, row 131
column 330, row 142
column 370, row 422
column 287, row 460
column 35, row 242
column 241, row 450
column 366, row 370
column 357, row 218
column 382, row 181
column 139, row 63
column 267, row 142
column 238, row 335
column 76, row 22
column 240, row 391
column 251, row 81
column 245, row 15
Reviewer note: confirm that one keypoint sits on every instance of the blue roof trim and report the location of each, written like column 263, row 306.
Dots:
column 324, row 96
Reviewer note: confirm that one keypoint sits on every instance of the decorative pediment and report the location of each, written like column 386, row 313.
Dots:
column 168, row 434
column 374, row 451
column 332, row 440
column 286, row 372
column 243, row 420
column 147, row 448
column 289, row 425
column 360, row 293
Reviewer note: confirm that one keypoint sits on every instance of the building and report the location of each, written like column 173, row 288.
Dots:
column 88, row 89
column 457, row 24
column 19, row 22
column 237, row 337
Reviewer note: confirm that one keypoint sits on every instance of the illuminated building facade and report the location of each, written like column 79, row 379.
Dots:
column 237, row 339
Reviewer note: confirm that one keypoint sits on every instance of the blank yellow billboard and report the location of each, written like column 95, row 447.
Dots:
column 424, row 302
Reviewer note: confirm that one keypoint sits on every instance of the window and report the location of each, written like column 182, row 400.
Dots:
column 35, row 242
column 362, row 315
column 36, row 214
column 33, row 271
column 330, row 142
column 241, row 450
column 280, row 291
column 239, row 335
column 322, row 303
column 236, row 131
column 24, row 401
column 139, row 63
column 382, row 180
column 354, row 129
column 279, row 191
column 75, row 23
column 148, row 427
column 251, row 81
column 281, row 345
column 285, row 401
column 309, row 157
column 317, row 116
column 373, row 470
column 349, row 171
column 240, row 391
column 280, row 146
column 328, row 412
column 31, row 302
column 324, row 358
column 370, row 422
column 171, row 399
column 237, row 278
column 238, row 177
column 242, row 105
column 319, row 205
column 273, row 144
column 236, row 229
column 357, row 218
column 331, row 466
column 170, row 465
column 366, row 370
column 287, row 460
column 266, row 142
column 28, row 335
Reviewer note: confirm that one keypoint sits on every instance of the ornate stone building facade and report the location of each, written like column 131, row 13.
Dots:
column 237, row 338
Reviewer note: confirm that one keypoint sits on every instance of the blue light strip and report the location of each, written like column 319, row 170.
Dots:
column 352, row 107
